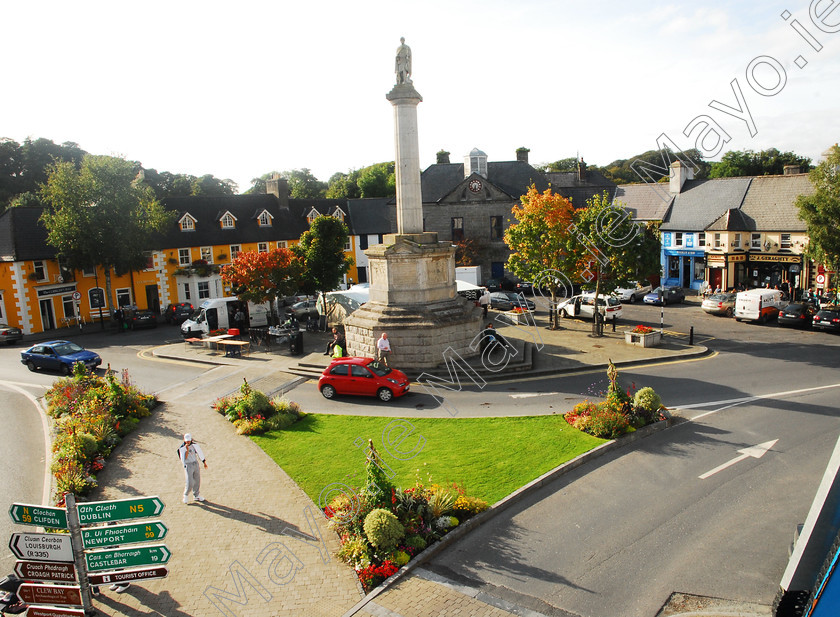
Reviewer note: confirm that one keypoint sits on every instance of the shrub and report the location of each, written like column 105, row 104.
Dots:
column 383, row 530
column 607, row 423
column 354, row 552
column 415, row 542
column 401, row 558
column 250, row 426
column 648, row 400
column 279, row 421
column 466, row 506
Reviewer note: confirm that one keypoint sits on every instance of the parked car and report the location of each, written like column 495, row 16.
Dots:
column 797, row 315
column 632, row 294
column 507, row 301
column 303, row 311
column 827, row 318
column 289, row 300
column 363, row 377
column 670, row 295
column 525, row 287
column 58, row 356
column 178, row 313
column 142, row 319
column 10, row 334
column 583, row 305
column 720, row 304
column 502, row 284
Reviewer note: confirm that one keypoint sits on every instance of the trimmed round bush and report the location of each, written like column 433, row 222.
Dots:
column 383, row 530
column 647, row 399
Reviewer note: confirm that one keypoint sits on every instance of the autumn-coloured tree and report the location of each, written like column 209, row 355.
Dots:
column 262, row 277
column 539, row 243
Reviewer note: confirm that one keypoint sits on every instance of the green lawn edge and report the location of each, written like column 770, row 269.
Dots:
column 489, row 457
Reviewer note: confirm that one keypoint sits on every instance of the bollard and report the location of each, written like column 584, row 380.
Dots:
column 691, row 335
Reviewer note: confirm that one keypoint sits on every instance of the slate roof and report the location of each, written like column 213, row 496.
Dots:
column 702, row 202
column 567, row 184
column 770, row 202
column 22, row 236
column 644, row 202
column 733, row 219
column 513, row 177
column 372, row 216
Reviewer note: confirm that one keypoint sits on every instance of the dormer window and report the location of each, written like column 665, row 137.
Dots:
column 264, row 219
column 228, row 221
column 313, row 214
column 187, row 222
column 339, row 213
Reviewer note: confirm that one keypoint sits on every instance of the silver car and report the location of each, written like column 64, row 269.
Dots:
column 720, row 304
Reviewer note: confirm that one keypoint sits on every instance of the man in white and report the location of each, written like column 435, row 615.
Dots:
column 484, row 302
column 383, row 348
column 190, row 453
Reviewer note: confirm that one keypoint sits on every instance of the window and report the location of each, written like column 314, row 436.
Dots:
column 1, row 306
column 755, row 241
column 203, row 290
column 717, row 240
column 699, row 269
column 359, row 371
column 96, row 297
column 282, row 244
column 228, row 222
column 150, row 260
column 457, row 229
column 701, row 239
column 736, row 243
column 363, row 242
column 347, row 245
column 187, row 295
column 235, row 249
column 786, row 243
column 496, row 228
column 187, row 223
column 184, row 257
column 123, row 297
column 673, row 267
column 207, row 254
column 88, row 272
column 40, row 270
column 313, row 214
column 264, row 219
column 262, row 247
column 341, row 369
column 678, row 239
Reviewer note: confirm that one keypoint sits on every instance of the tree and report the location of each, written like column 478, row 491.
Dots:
column 539, row 242
column 768, row 162
column 303, row 185
column 258, row 184
column 821, row 211
column 321, row 249
column 567, row 164
column 621, row 171
column 262, row 277
column 377, row 181
column 209, row 184
column 343, row 186
column 101, row 214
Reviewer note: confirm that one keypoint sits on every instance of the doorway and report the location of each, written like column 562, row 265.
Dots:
column 47, row 316
column 686, row 272
column 152, row 299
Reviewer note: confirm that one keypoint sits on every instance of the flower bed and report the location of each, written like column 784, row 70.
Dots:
column 253, row 413
column 382, row 527
column 642, row 330
column 92, row 415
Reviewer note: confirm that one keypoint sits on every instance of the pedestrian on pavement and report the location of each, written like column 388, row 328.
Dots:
column 491, row 336
column 190, row 454
column 120, row 317
column 484, row 302
column 337, row 339
column 383, row 348
column 239, row 319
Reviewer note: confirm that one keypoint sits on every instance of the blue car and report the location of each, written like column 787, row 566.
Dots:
column 670, row 295
column 58, row 356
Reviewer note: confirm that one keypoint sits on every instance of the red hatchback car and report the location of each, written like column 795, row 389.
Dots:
column 362, row 376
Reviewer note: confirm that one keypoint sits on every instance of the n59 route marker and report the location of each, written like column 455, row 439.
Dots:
column 115, row 535
column 40, row 516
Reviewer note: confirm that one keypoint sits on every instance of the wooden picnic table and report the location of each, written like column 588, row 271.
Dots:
column 234, row 348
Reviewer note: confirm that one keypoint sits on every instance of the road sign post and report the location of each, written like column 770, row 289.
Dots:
column 42, row 546
column 40, row 516
column 50, row 594
column 78, row 553
column 116, row 535
column 46, row 571
column 119, row 510
column 127, row 557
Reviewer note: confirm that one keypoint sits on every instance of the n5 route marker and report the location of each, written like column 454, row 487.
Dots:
column 118, row 510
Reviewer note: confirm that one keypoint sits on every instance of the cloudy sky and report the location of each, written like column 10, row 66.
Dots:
column 238, row 89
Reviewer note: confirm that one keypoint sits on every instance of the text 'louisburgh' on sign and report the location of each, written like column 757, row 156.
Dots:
column 119, row 509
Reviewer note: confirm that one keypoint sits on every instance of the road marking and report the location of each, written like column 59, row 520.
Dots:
column 727, row 403
column 756, row 451
column 533, row 394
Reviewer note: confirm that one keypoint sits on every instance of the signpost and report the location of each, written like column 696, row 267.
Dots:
column 119, row 510
column 50, row 594
column 114, row 535
column 128, row 576
column 127, row 557
column 45, row 571
column 40, row 516
column 42, row 546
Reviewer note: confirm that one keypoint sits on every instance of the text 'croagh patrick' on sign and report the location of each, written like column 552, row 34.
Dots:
column 119, row 510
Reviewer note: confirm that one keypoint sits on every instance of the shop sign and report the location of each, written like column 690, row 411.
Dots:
column 777, row 258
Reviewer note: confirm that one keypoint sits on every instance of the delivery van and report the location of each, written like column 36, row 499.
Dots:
column 758, row 305
column 218, row 313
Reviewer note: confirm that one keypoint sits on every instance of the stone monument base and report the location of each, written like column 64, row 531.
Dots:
column 419, row 333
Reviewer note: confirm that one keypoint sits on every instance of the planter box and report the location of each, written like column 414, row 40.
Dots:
column 520, row 318
column 651, row 339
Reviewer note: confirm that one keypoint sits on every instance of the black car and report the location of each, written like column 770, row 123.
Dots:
column 665, row 295
column 502, row 284
column 178, row 313
column 303, row 311
column 507, row 301
column 797, row 315
column 142, row 319
column 827, row 318
column 525, row 287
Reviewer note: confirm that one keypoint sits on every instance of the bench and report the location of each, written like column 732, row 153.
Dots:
column 188, row 342
column 234, row 349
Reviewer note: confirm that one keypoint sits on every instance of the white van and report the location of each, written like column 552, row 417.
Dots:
column 758, row 305
column 217, row 313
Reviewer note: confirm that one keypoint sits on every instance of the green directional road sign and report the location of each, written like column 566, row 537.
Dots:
column 40, row 516
column 119, row 510
column 115, row 535
column 127, row 557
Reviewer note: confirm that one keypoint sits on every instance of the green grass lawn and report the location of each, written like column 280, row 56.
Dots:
column 489, row 457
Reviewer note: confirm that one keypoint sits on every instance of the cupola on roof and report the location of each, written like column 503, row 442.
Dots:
column 475, row 163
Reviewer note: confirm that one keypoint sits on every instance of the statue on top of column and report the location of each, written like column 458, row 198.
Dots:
column 403, row 63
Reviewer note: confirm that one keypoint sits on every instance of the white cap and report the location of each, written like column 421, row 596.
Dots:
column 187, row 437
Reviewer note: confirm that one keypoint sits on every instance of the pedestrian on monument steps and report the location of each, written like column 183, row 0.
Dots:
column 383, row 348
column 484, row 302
column 190, row 454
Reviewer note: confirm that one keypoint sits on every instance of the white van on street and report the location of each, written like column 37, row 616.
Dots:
column 218, row 313
column 758, row 305
column 583, row 306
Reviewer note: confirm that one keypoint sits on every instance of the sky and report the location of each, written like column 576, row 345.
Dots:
column 240, row 89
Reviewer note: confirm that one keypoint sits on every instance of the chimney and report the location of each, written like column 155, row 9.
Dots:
column 522, row 154
column 443, row 157
column 679, row 174
column 791, row 169
column 581, row 169
column 279, row 187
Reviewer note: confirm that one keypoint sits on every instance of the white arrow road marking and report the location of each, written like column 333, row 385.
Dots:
column 756, row 451
column 533, row 394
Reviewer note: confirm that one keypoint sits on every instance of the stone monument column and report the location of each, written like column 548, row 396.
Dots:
column 405, row 99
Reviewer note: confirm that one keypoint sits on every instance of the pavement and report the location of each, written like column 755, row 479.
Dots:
column 257, row 546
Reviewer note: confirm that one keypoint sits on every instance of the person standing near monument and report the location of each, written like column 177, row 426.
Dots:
column 403, row 63
column 190, row 454
column 484, row 302
column 383, row 348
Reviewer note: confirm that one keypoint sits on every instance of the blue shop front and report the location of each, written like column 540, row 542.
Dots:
column 683, row 263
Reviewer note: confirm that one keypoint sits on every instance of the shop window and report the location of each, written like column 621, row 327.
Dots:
column 69, row 306
column 123, row 296
column 96, row 296
column 699, row 269
column 673, row 267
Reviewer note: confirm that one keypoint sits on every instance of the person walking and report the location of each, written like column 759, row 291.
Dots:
column 190, row 454
column 383, row 348
column 484, row 302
